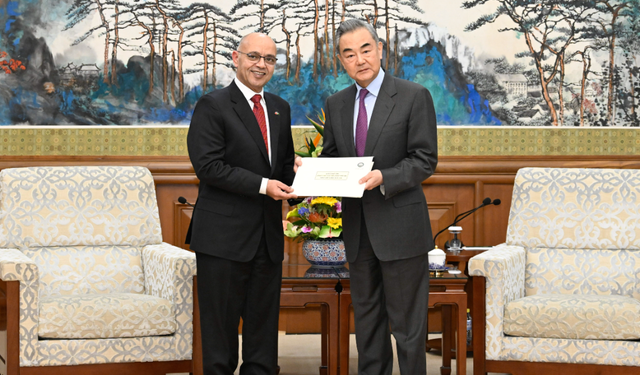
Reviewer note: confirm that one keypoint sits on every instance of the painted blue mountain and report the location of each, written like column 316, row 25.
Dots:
column 41, row 92
column 456, row 101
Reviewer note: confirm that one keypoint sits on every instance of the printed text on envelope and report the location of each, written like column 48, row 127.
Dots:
column 320, row 175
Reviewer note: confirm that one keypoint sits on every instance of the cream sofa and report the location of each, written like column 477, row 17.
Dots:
column 565, row 287
column 96, row 283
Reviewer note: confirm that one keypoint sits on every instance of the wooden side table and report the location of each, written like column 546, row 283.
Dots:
column 460, row 260
column 303, row 285
column 446, row 290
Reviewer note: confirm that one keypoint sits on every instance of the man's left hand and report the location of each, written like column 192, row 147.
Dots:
column 372, row 179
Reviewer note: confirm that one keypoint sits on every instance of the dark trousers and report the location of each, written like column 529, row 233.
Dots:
column 389, row 294
column 228, row 290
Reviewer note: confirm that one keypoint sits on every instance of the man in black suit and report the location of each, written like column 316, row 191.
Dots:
column 387, row 233
column 241, row 149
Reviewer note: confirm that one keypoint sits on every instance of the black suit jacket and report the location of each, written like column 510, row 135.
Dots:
column 230, row 159
column 402, row 138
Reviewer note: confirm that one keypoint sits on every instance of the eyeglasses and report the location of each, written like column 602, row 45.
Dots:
column 254, row 57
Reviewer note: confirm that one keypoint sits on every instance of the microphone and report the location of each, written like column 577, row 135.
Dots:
column 495, row 202
column 485, row 202
column 184, row 200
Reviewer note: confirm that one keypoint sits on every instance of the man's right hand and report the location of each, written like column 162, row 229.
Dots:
column 279, row 191
column 297, row 164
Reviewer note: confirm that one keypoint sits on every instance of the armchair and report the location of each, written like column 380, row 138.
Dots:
column 562, row 293
column 88, row 282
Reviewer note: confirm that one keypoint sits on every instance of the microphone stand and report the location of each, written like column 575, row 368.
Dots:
column 485, row 202
column 495, row 202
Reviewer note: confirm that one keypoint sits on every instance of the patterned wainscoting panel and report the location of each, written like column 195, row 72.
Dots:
column 93, row 141
column 500, row 141
column 452, row 141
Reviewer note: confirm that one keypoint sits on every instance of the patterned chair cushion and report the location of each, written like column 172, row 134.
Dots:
column 105, row 316
column 577, row 271
column 569, row 316
column 82, row 270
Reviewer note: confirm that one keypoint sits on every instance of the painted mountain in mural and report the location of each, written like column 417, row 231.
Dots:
column 99, row 62
column 455, row 98
column 74, row 91
column 47, row 93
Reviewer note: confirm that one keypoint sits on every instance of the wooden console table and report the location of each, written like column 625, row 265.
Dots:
column 304, row 285
column 444, row 289
column 460, row 260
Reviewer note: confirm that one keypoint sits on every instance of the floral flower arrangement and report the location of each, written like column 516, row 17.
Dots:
column 314, row 218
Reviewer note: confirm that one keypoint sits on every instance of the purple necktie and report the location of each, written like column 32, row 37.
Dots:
column 361, row 124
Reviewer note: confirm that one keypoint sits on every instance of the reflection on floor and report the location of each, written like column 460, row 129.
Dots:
column 300, row 355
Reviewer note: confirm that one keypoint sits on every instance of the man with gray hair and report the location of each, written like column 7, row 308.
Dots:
column 387, row 232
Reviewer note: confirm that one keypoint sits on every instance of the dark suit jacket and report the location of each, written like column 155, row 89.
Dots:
column 230, row 159
column 402, row 138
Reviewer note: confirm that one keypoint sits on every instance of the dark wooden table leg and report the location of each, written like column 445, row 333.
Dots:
column 461, row 347
column 447, row 335
column 345, row 310
column 324, row 313
column 333, row 336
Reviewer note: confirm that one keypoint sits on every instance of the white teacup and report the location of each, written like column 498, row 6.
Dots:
column 437, row 259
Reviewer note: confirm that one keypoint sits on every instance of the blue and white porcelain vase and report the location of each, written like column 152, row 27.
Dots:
column 327, row 252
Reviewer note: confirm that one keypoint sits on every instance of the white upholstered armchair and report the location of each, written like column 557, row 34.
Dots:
column 562, row 294
column 87, row 278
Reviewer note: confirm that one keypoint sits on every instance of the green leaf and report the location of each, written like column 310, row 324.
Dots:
column 310, row 145
column 324, row 209
column 319, row 128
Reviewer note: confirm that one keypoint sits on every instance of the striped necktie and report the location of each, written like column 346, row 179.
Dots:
column 259, row 113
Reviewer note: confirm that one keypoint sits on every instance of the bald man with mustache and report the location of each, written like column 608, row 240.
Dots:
column 241, row 149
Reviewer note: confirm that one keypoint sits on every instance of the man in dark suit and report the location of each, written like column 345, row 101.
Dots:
column 387, row 233
column 241, row 149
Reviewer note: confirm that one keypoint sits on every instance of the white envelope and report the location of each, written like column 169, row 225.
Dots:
column 334, row 177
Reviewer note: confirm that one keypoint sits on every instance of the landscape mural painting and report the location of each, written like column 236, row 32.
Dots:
column 486, row 62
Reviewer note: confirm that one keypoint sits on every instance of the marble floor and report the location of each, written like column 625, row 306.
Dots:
column 300, row 355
